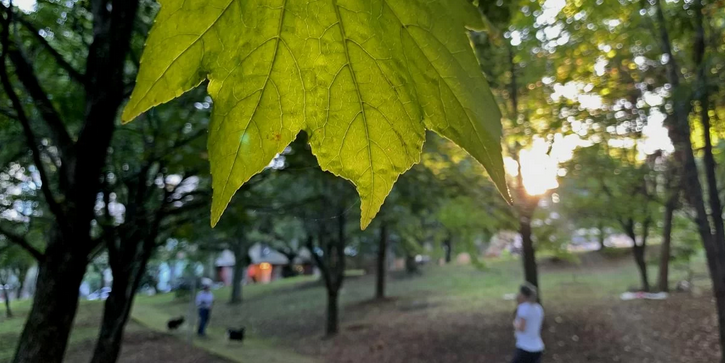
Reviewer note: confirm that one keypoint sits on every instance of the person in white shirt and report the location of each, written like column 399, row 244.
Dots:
column 527, row 326
column 204, row 302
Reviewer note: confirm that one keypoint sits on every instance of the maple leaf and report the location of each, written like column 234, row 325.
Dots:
column 364, row 79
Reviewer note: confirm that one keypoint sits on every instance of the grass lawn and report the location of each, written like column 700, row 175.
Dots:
column 445, row 314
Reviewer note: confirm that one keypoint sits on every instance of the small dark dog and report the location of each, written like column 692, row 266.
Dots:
column 236, row 334
column 174, row 324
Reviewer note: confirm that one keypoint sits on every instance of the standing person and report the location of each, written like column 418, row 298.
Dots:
column 204, row 302
column 527, row 326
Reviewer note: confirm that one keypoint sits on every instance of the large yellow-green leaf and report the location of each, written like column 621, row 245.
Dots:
column 364, row 78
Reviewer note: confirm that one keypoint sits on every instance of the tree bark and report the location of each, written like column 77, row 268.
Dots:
column 337, row 263
column 531, row 273
column 411, row 266
column 602, row 237
column 380, row 276
column 665, row 252
column 448, row 249
column 332, row 267
column 45, row 335
column 238, row 272
column 639, row 258
column 22, row 275
column 8, row 311
column 117, row 308
column 638, row 251
column 333, row 318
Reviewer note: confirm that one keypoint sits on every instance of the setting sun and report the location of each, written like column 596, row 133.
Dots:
column 540, row 162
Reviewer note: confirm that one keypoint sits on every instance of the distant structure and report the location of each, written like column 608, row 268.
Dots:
column 267, row 265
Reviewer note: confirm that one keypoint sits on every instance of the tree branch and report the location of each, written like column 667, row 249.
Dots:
column 25, row 73
column 53, row 205
column 72, row 72
column 21, row 242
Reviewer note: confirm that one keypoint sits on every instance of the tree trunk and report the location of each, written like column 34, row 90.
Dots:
column 638, row 252
column 288, row 270
column 411, row 266
column 639, row 258
column 602, row 237
column 332, row 326
column 448, row 248
column 238, row 272
column 382, row 249
column 679, row 131
column 336, row 266
column 45, row 335
column 531, row 273
column 664, row 268
column 117, row 309
column 332, row 267
column 22, row 275
column 8, row 311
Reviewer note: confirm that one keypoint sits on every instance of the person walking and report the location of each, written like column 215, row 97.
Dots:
column 527, row 326
column 204, row 302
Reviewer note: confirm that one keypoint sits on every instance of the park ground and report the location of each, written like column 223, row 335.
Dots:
column 446, row 314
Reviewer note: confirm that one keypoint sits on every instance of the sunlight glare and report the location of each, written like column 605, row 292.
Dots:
column 540, row 165
column 26, row 6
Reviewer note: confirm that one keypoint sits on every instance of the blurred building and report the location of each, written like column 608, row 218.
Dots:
column 266, row 265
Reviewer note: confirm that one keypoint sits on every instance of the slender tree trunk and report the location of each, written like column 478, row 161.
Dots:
column 333, row 317
column 664, row 268
column 639, row 258
column 117, row 309
column 22, row 275
column 526, row 204
column 716, row 252
column 6, row 295
column 238, row 271
column 531, row 273
column 45, row 336
column 332, row 267
column 336, row 265
column 448, row 248
column 411, row 266
column 638, row 252
column 380, row 276
column 602, row 237
column 288, row 270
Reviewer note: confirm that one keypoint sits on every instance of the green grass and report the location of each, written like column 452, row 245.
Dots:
column 85, row 326
column 279, row 314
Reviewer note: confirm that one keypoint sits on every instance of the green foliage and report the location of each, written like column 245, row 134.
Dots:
column 364, row 79
column 553, row 236
column 607, row 185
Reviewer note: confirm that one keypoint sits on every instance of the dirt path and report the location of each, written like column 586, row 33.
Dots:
column 149, row 347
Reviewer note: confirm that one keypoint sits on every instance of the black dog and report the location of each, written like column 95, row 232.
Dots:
column 174, row 324
column 236, row 334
